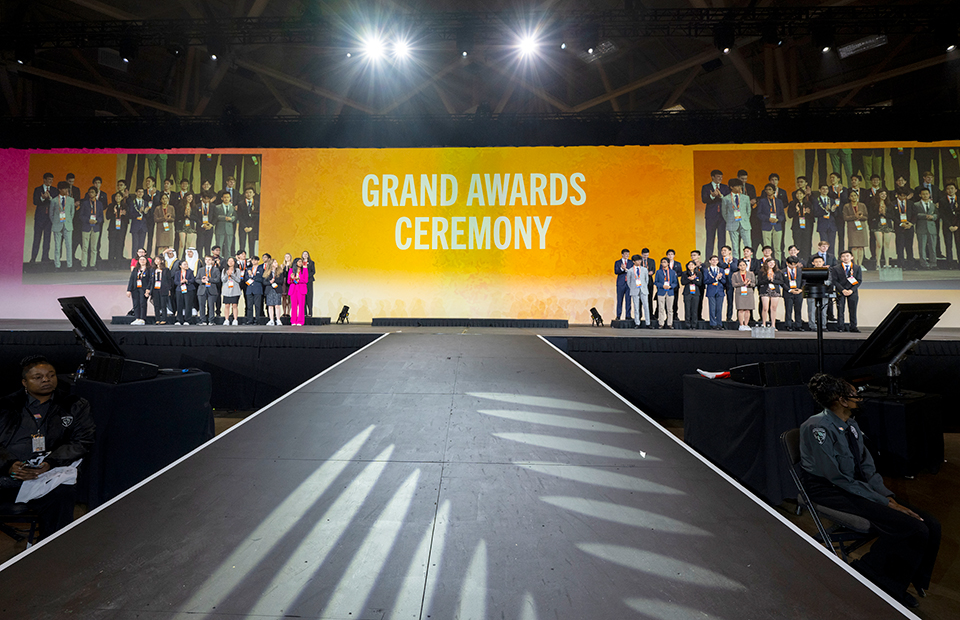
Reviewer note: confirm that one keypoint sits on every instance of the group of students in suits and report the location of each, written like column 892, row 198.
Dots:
column 155, row 219
column 885, row 221
column 201, row 288
column 741, row 282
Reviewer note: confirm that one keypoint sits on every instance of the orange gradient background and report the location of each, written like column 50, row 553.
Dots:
column 313, row 201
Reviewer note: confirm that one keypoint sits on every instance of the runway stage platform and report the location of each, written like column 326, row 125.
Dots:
column 439, row 475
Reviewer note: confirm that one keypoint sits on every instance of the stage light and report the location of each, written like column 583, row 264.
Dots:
column 590, row 50
column 862, row 45
column 128, row 49
column 373, row 48
column 528, row 45
column 401, row 49
column 217, row 49
column 951, row 47
column 349, row 55
column 947, row 34
column 724, row 38
column 465, row 41
column 822, row 37
column 563, row 46
column 24, row 52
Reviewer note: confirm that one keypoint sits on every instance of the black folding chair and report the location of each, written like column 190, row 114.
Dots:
column 848, row 531
column 12, row 515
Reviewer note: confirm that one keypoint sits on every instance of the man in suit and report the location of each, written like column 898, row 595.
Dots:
column 254, row 292
column 226, row 223
column 950, row 214
column 800, row 213
column 208, row 290
column 140, row 221
column 646, row 261
column 728, row 265
column 737, row 210
column 847, row 278
column 207, row 223
column 924, row 217
column 42, row 196
column 824, row 209
column 904, row 231
column 249, row 212
column 91, row 224
column 784, row 198
column 714, row 283
column 676, row 268
column 60, row 218
column 638, row 281
column 793, row 294
column 823, row 251
column 711, row 195
column 838, row 198
column 751, row 193
column 620, row 269
column 930, row 184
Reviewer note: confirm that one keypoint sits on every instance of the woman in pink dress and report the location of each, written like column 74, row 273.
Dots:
column 297, row 279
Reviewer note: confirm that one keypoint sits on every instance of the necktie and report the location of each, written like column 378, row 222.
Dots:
column 62, row 202
column 857, row 455
column 736, row 199
column 848, row 270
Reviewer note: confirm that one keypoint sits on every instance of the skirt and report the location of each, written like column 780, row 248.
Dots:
column 231, row 300
column 745, row 302
column 272, row 295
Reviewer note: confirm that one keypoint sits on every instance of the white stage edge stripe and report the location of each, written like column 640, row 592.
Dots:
column 90, row 514
column 886, row 597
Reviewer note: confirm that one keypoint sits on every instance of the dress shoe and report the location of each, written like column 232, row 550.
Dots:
column 908, row 601
column 922, row 593
column 855, row 330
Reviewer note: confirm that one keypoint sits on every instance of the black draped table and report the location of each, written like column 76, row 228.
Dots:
column 142, row 427
column 738, row 427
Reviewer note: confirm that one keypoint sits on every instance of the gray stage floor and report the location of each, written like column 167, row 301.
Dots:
column 438, row 476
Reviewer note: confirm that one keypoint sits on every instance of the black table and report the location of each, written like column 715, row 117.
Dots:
column 738, row 427
column 904, row 433
column 142, row 427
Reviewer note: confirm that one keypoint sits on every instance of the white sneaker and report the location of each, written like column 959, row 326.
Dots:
column 235, row 322
column 744, row 328
column 226, row 322
column 271, row 322
column 177, row 323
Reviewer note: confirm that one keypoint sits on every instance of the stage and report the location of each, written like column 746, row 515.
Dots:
column 439, row 474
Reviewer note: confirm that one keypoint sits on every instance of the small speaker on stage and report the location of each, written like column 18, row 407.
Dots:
column 768, row 374
column 344, row 315
column 595, row 316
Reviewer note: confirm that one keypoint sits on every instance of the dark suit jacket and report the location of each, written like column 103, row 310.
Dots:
column 950, row 214
column 839, row 277
column 83, row 214
column 189, row 280
column 42, row 212
column 712, row 205
column 786, row 277
column 935, row 193
column 249, row 218
column 708, row 282
column 620, row 271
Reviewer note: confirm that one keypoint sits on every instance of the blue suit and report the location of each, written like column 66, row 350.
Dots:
column 623, row 290
column 826, row 219
column 714, row 283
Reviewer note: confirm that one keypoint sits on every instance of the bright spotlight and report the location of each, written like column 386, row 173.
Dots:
column 349, row 55
column 826, row 48
column 951, row 47
column 528, row 45
column 213, row 56
column 464, row 54
column 563, row 46
column 401, row 49
column 373, row 48
column 589, row 50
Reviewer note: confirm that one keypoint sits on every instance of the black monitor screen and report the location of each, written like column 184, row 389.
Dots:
column 905, row 322
column 89, row 325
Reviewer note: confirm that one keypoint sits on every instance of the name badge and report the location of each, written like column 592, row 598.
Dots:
column 39, row 443
column 883, row 221
column 274, row 284
column 139, row 283
column 853, row 281
column 903, row 217
column 773, row 217
column 166, row 226
column 186, row 222
column 229, row 283
column 249, row 281
column 744, row 290
column 793, row 284
column 116, row 224
column 693, row 288
column 772, row 287
column 183, row 288
column 637, row 281
column 157, row 284
column 836, row 201
column 207, row 284
column 736, row 214
column 803, row 222
column 826, row 216
column 139, row 217
column 63, row 216
column 858, row 224
column 726, row 271
column 206, row 220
